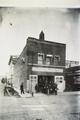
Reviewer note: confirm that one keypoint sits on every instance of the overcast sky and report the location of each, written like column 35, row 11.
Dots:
column 16, row 24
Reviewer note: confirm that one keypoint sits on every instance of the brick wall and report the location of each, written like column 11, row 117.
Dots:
column 35, row 46
column 20, row 70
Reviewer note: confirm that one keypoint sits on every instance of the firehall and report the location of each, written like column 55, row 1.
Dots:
column 40, row 65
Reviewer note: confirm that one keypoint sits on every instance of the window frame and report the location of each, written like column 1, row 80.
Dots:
column 40, row 54
column 56, row 59
column 50, row 57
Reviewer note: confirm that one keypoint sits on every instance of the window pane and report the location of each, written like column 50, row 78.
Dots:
column 48, row 59
column 40, row 59
column 56, row 60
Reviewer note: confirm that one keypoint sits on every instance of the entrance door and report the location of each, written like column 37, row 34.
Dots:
column 45, row 84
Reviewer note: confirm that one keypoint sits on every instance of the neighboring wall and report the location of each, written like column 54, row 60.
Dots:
column 71, row 63
column 20, row 69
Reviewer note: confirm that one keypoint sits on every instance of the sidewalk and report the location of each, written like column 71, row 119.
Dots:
column 59, row 94
column 70, row 93
column 29, row 95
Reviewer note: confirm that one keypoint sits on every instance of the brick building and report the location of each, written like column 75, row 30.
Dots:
column 72, row 75
column 72, row 78
column 70, row 63
column 41, row 63
column 12, row 61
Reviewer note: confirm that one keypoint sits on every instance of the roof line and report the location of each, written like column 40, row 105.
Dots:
column 50, row 42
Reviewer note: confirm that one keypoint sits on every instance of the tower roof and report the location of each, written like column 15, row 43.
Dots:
column 41, row 36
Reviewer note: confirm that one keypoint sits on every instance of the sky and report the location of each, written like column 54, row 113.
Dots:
column 18, row 23
column 41, row 3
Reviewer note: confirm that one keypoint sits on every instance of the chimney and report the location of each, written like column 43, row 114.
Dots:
column 41, row 36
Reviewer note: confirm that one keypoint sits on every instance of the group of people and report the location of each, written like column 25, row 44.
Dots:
column 36, row 88
column 49, row 88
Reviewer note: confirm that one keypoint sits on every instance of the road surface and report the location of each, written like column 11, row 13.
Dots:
column 41, row 107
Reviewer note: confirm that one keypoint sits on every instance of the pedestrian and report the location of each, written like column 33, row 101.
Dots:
column 32, row 94
column 4, row 89
column 56, row 89
column 22, row 88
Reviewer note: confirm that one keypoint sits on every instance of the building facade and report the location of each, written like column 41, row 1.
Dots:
column 12, row 61
column 70, row 63
column 41, row 64
column 72, row 78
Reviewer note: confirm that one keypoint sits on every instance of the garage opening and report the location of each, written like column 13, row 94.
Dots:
column 45, row 84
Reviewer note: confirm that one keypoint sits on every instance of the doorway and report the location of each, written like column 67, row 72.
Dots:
column 46, row 84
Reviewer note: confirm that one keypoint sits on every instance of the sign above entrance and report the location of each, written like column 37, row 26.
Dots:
column 43, row 69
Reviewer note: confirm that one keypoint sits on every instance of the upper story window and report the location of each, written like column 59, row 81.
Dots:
column 40, row 58
column 48, row 59
column 56, row 59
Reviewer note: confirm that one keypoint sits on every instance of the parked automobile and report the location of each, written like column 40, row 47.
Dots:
column 9, row 91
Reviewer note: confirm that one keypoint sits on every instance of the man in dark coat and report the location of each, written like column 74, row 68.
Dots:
column 55, row 88
column 22, row 88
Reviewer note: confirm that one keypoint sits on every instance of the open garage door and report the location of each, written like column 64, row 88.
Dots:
column 46, row 84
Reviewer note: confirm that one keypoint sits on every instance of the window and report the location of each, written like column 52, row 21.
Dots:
column 56, row 59
column 77, row 80
column 40, row 58
column 48, row 59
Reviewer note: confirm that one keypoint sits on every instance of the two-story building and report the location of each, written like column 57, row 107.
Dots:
column 41, row 64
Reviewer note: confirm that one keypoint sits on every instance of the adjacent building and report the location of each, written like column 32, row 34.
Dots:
column 72, row 78
column 12, row 61
column 72, row 75
column 72, row 63
column 40, row 64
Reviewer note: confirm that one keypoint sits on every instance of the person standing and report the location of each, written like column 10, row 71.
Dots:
column 22, row 88
column 56, row 89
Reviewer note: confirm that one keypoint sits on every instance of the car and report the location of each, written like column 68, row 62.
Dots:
column 10, row 91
